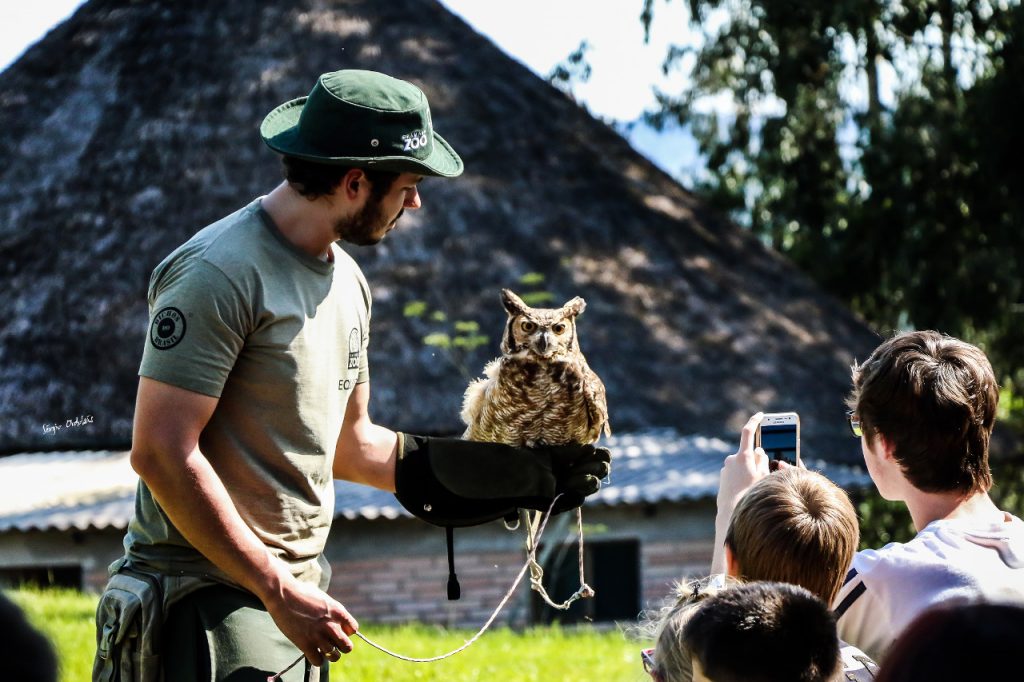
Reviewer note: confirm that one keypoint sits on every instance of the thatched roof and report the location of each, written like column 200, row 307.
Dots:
column 134, row 124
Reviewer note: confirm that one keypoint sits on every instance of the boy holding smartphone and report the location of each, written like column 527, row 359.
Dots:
column 794, row 526
column 923, row 405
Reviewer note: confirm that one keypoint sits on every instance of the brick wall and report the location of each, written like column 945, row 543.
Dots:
column 664, row 563
column 393, row 571
column 414, row 588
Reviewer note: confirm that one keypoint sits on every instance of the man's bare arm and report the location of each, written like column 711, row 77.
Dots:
column 365, row 452
column 166, row 455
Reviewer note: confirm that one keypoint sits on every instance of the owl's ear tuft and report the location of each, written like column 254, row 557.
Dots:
column 575, row 307
column 513, row 304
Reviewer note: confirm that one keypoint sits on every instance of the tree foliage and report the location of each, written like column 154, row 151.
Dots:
column 878, row 144
column 572, row 71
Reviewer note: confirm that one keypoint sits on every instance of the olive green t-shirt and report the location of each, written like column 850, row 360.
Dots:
column 280, row 337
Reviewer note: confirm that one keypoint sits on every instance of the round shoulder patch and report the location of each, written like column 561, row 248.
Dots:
column 168, row 328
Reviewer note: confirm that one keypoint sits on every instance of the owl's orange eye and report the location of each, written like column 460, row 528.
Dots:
column 558, row 328
column 528, row 327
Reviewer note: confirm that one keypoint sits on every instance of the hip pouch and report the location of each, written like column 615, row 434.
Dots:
column 128, row 622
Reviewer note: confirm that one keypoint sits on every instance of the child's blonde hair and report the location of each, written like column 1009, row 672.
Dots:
column 665, row 626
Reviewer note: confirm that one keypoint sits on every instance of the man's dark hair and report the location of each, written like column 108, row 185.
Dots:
column 957, row 642
column 934, row 399
column 26, row 653
column 764, row 632
column 314, row 180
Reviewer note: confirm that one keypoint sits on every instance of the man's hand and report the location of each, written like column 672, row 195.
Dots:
column 317, row 624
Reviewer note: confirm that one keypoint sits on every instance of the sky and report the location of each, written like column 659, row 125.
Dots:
column 542, row 33
column 24, row 23
column 537, row 33
column 625, row 69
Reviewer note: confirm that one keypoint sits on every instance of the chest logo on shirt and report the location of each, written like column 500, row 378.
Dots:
column 354, row 347
column 168, row 328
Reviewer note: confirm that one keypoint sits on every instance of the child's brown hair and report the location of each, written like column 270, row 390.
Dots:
column 795, row 526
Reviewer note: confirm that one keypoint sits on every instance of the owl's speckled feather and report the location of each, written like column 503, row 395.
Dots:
column 541, row 390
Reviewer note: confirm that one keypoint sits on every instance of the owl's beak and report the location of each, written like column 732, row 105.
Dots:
column 543, row 346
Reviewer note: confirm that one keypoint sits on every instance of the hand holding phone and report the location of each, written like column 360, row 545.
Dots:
column 778, row 435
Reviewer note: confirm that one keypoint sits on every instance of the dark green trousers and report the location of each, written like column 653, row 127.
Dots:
column 223, row 634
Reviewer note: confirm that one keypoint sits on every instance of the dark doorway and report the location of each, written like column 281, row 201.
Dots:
column 42, row 576
column 611, row 568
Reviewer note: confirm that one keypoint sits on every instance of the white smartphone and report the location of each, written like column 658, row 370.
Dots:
column 778, row 435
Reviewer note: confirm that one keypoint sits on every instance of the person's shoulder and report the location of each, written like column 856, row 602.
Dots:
column 213, row 259
column 921, row 550
column 346, row 267
column 943, row 552
column 1009, row 529
column 233, row 241
column 1014, row 529
column 214, row 242
column 343, row 260
column 1013, row 523
column 867, row 559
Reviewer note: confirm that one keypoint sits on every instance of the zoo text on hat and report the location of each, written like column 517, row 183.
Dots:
column 362, row 119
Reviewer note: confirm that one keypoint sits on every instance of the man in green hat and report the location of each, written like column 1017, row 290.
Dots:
column 253, row 397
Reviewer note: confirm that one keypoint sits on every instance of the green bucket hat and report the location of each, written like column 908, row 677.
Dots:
column 363, row 119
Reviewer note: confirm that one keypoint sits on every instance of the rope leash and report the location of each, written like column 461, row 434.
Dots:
column 530, row 561
column 584, row 591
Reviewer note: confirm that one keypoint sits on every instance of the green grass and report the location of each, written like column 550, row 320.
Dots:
column 540, row 654
column 67, row 617
column 548, row 654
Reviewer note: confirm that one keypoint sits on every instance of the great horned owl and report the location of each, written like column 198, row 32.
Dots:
column 541, row 390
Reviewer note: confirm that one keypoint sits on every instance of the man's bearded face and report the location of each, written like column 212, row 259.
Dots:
column 368, row 226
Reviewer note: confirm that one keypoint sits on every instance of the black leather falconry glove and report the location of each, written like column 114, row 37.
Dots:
column 451, row 482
